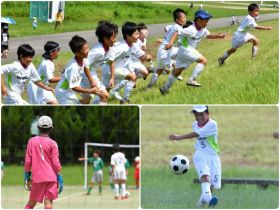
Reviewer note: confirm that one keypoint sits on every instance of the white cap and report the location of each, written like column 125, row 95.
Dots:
column 137, row 158
column 45, row 122
column 199, row 108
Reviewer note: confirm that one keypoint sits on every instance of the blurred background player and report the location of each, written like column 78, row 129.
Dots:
column 118, row 164
column 97, row 176
column 42, row 160
column 34, row 131
column 276, row 134
column 34, row 23
column 206, row 159
column 137, row 171
column 4, row 40
column 37, row 95
column 59, row 18
column 2, row 169
column 242, row 36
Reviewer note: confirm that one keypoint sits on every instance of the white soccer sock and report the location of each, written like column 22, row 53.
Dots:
column 197, row 70
column 153, row 79
column 128, row 89
column 123, row 189
column 206, row 192
column 117, row 189
column 170, row 81
column 120, row 85
column 254, row 51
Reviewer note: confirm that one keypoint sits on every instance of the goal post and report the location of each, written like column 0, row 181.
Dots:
column 86, row 146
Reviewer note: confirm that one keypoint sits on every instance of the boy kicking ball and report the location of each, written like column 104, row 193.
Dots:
column 187, row 53
column 242, row 36
column 206, row 159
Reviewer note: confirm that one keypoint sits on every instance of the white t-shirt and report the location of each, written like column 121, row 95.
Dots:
column 207, row 141
column 71, row 77
column 46, row 70
column 118, row 160
column 142, row 44
column 190, row 36
column 247, row 23
column 16, row 76
column 170, row 30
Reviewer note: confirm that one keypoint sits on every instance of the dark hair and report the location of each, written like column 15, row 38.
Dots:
column 252, row 7
column 49, row 47
column 188, row 23
column 98, row 152
column 116, row 147
column 45, row 130
column 105, row 29
column 129, row 28
column 142, row 26
column 77, row 43
column 176, row 13
column 25, row 50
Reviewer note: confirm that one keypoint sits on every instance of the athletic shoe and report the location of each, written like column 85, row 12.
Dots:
column 115, row 94
column 125, row 101
column 117, row 197
column 180, row 78
column 124, row 197
column 221, row 61
column 88, row 193
column 200, row 203
column 149, row 86
column 213, row 202
column 194, row 83
column 163, row 91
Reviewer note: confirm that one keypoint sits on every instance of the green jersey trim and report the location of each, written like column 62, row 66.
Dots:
column 185, row 42
column 65, row 85
column 10, row 81
column 215, row 146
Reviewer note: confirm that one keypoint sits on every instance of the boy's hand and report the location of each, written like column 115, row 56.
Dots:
column 51, row 89
column 80, row 159
column 27, row 181
column 60, row 183
column 174, row 137
column 4, row 91
column 269, row 28
column 111, row 83
column 93, row 83
column 223, row 35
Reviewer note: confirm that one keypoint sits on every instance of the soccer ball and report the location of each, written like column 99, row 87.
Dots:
column 179, row 164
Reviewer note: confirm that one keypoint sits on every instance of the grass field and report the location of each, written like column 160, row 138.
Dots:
column 14, row 196
column 77, row 16
column 248, row 150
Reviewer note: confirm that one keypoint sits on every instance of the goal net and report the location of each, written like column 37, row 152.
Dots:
column 87, row 145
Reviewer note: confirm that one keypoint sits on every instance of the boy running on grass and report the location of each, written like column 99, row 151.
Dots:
column 206, row 159
column 14, row 76
column 42, row 167
column 97, row 176
column 71, row 78
column 242, row 36
column 187, row 53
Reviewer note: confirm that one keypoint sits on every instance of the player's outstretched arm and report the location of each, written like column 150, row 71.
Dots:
column 172, row 40
column 181, row 137
column 42, row 85
column 55, row 79
column 81, row 159
column 263, row 27
column 216, row 36
column 3, row 87
column 112, row 70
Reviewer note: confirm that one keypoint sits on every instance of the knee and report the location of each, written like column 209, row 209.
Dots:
column 205, row 178
column 203, row 61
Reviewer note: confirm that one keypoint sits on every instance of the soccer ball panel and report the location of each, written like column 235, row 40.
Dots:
column 179, row 164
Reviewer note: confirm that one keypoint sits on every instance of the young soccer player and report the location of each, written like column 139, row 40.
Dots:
column 42, row 161
column 2, row 169
column 242, row 36
column 206, row 159
column 137, row 171
column 38, row 95
column 14, row 76
column 125, row 54
column 72, row 76
column 111, row 177
column 97, row 176
column 118, row 164
column 187, row 53
column 165, row 49
column 4, row 40
column 100, row 55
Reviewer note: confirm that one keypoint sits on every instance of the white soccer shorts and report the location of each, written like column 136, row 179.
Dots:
column 120, row 74
column 239, row 39
column 97, row 176
column 37, row 95
column 186, row 56
column 119, row 174
column 14, row 99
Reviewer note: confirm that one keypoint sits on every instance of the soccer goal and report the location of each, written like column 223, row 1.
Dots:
column 89, row 144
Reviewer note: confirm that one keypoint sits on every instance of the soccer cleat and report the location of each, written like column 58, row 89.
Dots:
column 221, row 61
column 125, row 101
column 115, row 94
column 163, row 91
column 180, row 78
column 213, row 202
column 194, row 83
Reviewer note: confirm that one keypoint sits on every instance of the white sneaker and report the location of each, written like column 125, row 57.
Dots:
column 180, row 78
column 194, row 83
column 115, row 94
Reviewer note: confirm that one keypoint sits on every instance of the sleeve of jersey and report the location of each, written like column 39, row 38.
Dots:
column 206, row 33
column 253, row 23
column 6, row 68
column 34, row 76
column 71, row 77
column 55, row 158
column 48, row 71
column 112, row 55
column 92, row 58
column 138, row 52
column 208, row 130
column 112, row 161
column 28, row 157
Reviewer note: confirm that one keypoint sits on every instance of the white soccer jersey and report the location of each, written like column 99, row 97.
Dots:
column 71, row 78
column 46, row 70
column 170, row 30
column 190, row 36
column 207, row 141
column 16, row 76
column 118, row 160
column 142, row 44
column 247, row 23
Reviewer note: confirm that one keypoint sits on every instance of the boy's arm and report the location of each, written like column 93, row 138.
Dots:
column 90, row 79
column 185, row 136
column 42, row 85
column 54, row 79
column 171, row 42
column 145, row 58
column 85, row 90
column 216, row 36
column 81, row 159
column 3, row 86
column 263, row 27
column 28, row 158
column 112, row 70
column 55, row 159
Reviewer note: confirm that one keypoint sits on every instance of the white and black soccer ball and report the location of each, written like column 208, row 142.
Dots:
column 179, row 164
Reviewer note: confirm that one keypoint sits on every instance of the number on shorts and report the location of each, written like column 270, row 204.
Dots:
column 203, row 145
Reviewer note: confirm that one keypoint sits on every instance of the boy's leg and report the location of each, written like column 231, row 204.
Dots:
column 202, row 61
column 48, row 203
column 30, row 205
column 123, row 187
column 154, row 78
column 255, row 42
column 100, row 187
column 128, row 87
column 90, row 188
column 222, row 59
column 117, row 189
column 170, row 81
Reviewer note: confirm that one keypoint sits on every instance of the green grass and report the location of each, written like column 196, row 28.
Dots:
column 72, row 175
column 161, row 189
column 77, row 16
